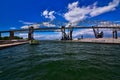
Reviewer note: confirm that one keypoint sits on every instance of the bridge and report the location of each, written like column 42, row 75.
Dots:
column 63, row 29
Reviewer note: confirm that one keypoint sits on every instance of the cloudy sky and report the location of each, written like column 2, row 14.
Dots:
column 17, row 14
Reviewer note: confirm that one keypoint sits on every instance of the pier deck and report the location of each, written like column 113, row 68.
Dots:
column 2, row 46
column 100, row 40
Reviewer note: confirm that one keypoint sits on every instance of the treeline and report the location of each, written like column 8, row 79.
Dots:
column 8, row 38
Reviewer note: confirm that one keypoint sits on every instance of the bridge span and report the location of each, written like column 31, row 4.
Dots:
column 62, row 29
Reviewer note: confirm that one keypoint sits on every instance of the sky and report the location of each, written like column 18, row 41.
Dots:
column 20, row 14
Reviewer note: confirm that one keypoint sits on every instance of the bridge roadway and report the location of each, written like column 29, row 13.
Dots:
column 58, row 29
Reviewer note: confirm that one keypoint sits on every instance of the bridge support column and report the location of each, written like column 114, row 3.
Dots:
column 70, row 35
column 11, row 35
column 63, row 33
column 30, row 33
column 115, row 34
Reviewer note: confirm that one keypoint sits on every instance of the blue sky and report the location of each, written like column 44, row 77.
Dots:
column 17, row 14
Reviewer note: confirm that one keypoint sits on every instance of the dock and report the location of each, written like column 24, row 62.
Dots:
column 12, row 43
column 99, row 40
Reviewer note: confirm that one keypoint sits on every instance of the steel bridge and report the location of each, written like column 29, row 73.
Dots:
column 62, row 29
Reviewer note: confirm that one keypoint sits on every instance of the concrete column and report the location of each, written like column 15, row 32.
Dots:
column 30, row 33
column 71, row 31
column 113, row 34
column 116, row 36
column 63, row 32
column 11, row 35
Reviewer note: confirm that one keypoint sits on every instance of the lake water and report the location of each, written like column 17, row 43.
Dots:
column 53, row 60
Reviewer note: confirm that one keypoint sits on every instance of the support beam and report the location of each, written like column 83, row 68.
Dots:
column 11, row 35
column 30, row 33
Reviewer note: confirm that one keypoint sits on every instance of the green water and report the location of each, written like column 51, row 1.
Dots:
column 60, row 61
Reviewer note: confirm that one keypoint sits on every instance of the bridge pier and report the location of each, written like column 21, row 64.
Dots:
column 115, row 35
column 63, row 33
column 66, row 36
column 11, row 35
column 70, row 33
column 30, row 33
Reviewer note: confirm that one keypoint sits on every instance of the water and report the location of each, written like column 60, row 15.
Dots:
column 60, row 61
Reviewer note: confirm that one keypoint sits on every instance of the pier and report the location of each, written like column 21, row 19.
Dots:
column 6, row 44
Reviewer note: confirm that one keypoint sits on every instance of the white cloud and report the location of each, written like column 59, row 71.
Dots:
column 76, row 14
column 29, row 24
column 107, row 24
column 48, row 24
column 24, row 35
column 49, row 15
column 48, row 37
column 12, row 27
column 88, row 32
column 25, row 27
column 35, row 26
column 26, row 23
column 99, row 10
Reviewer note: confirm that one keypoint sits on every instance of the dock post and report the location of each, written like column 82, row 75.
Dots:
column 11, row 35
column 30, row 33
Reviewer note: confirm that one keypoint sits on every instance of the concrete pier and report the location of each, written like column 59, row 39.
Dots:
column 99, row 40
column 10, row 44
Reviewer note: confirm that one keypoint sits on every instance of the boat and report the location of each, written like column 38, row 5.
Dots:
column 34, row 42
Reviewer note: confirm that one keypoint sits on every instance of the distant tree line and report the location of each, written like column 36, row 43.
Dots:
column 7, row 38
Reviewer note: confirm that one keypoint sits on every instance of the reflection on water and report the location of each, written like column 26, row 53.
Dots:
column 60, row 61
